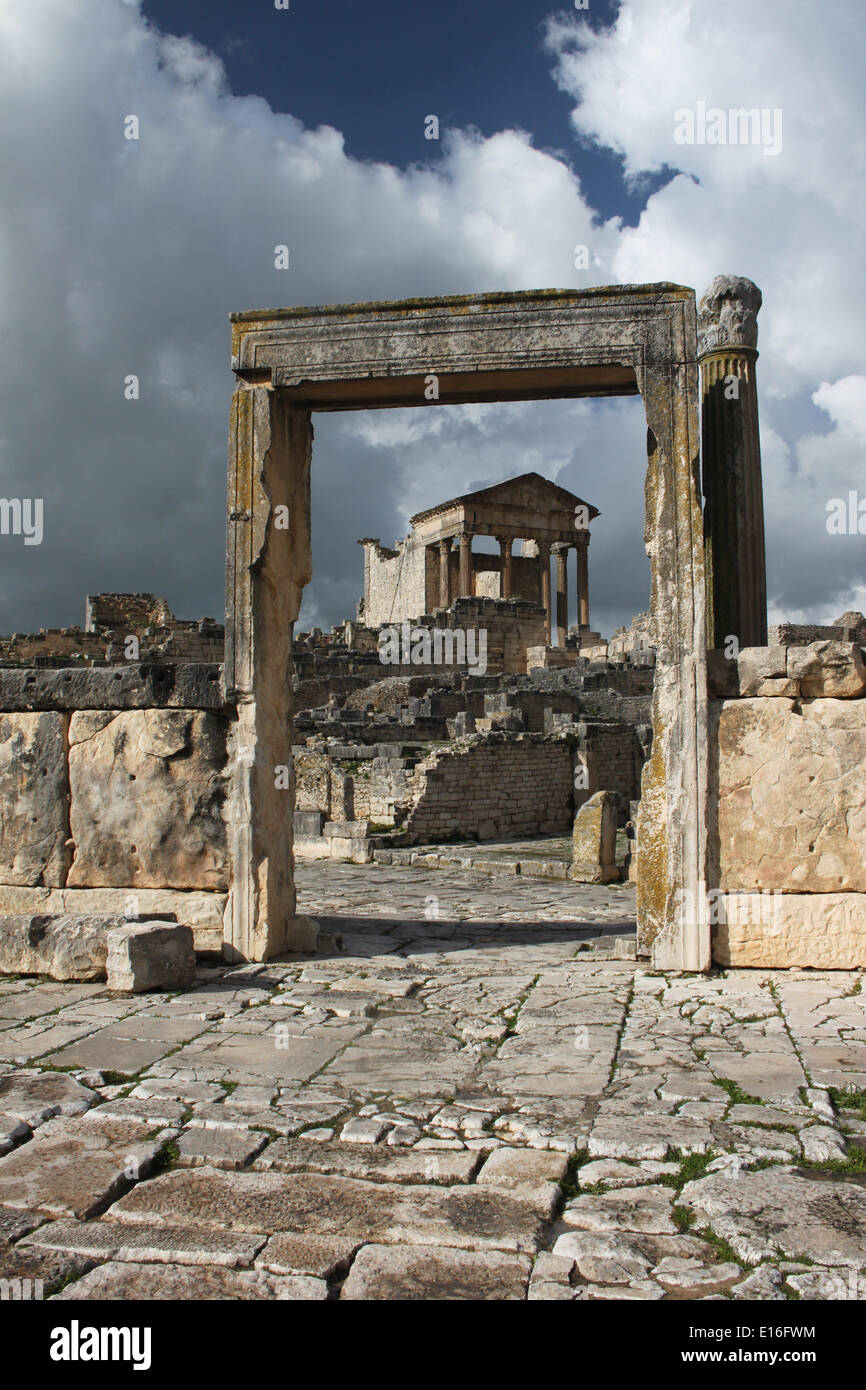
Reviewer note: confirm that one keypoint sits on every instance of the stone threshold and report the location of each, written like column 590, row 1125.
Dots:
column 449, row 859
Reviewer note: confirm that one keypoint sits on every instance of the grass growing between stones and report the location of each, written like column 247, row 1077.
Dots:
column 570, row 1184
column 692, row 1166
column 510, row 1019
column 683, row 1219
column 854, row 1163
column 849, row 1100
column 737, row 1095
column 62, row 1281
column 165, row 1160
column 725, row 1252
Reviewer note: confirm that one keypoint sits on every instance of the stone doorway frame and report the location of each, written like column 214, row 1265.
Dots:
column 531, row 345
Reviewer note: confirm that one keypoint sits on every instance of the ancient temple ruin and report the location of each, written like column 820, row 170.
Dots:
column 735, row 752
column 435, row 563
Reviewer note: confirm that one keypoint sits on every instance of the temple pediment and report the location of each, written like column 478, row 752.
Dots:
column 529, row 495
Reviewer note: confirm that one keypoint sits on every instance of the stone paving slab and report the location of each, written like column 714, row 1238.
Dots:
column 219, row 1148
column 819, row 1217
column 105, row 1050
column 383, row 1272
column 77, row 1169
column 115, row 1281
column 15, row 1223
column 119, row 1240
column 307, row 1203
column 510, row 1110
column 43, row 1268
column 324, row 1257
column 375, row 1163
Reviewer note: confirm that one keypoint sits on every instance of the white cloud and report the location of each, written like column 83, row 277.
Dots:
column 793, row 223
column 122, row 257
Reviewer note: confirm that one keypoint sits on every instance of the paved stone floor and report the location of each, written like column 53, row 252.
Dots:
column 489, row 1101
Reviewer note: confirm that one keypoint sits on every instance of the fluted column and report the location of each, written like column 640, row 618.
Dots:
column 561, row 553
column 444, row 574
column 736, row 568
column 465, row 585
column 505, row 544
column 544, row 571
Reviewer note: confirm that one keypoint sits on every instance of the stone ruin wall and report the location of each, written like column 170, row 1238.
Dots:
column 404, row 582
column 113, row 787
column 109, row 620
column 395, row 582
column 495, row 788
column 116, row 807
column 788, row 824
column 512, row 627
column 496, row 785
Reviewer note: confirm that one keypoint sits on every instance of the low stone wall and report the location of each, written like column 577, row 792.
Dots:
column 788, row 799
column 496, row 787
column 614, row 755
column 116, row 810
column 369, row 783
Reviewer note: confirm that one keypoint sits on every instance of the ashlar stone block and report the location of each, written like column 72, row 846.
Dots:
column 34, row 795
column 148, row 791
column 150, row 955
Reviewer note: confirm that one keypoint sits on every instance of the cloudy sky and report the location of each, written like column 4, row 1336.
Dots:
column 306, row 126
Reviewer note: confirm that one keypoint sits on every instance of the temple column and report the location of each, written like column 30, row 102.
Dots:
column 465, row 585
column 544, row 571
column 444, row 574
column 582, row 549
column 505, row 544
column 561, row 552
column 736, row 569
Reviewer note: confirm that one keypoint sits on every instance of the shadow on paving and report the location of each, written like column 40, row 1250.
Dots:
column 459, row 934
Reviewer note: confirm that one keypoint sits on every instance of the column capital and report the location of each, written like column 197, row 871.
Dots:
column 728, row 315
column 581, row 540
column 560, row 547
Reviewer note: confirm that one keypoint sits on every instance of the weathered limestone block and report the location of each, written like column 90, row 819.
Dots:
column 64, row 948
column 34, row 1097
column 763, row 671
column 787, row 779
column 131, row 685
column 346, row 830
column 150, row 955
column 34, row 795
column 199, row 910
column 147, row 795
column 825, row 931
column 594, row 839
column 828, row 669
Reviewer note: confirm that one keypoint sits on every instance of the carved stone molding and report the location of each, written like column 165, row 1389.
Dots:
column 728, row 314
